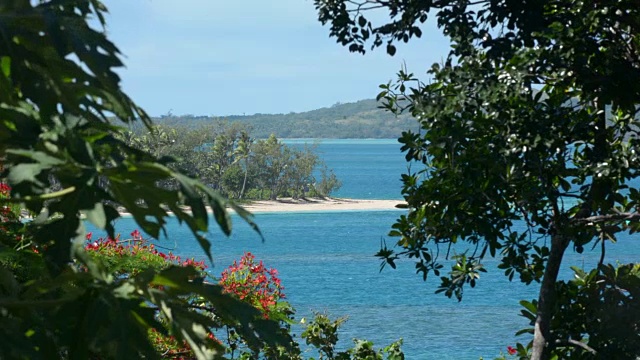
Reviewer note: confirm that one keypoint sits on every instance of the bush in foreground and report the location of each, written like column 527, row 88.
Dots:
column 247, row 279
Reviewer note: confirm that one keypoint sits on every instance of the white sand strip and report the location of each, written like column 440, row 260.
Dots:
column 311, row 205
column 290, row 205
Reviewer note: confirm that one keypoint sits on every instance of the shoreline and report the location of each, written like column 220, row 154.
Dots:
column 289, row 205
column 319, row 205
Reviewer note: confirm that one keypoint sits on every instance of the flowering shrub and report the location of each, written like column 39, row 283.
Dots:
column 4, row 189
column 247, row 279
column 255, row 284
column 7, row 216
column 17, row 252
column 125, row 257
column 129, row 257
column 169, row 346
column 7, row 213
column 517, row 352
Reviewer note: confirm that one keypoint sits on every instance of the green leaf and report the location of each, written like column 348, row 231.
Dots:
column 5, row 65
column 97, row 216
column 391, row 50
column 524, row 331
column 529, row 306
column 246, row 216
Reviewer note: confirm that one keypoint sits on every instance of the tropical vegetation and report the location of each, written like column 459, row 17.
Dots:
column 530, row 120
column 64, row 160
column 67, row 158
column 248, row 280
column 226, row 157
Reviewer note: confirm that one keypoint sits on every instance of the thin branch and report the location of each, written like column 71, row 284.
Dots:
column 365, row 8
column 602, row 254
column 189, row 306
column 608, row 218
column 173, row 355
column 566, row 194
column 42, row 197
column 576, row 343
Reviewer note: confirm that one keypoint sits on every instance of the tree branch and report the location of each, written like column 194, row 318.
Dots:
column 603, row 252
column 576, row 343
column 608, row 218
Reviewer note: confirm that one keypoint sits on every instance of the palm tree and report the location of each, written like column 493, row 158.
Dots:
column 243, row 152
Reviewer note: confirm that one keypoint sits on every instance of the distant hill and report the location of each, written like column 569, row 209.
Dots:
column 362, row 119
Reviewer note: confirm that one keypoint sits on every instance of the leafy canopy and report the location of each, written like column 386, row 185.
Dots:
column 528, row 145
column 64, row 159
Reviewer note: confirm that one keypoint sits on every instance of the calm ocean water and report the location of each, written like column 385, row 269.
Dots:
column 326, row 263
column 368, row 168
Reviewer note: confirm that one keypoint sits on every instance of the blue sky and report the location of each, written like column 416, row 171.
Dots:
column 213, row 57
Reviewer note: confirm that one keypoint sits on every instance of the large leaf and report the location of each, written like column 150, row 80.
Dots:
column 247, row 320
column 62, row 158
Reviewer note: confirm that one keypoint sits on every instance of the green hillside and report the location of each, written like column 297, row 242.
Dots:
column 362, row 119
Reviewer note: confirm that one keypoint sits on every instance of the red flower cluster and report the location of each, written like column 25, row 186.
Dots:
column 169, row 346
column 9, row 216
column 5, row 189
column 511, row 350
column 5, row 211
column 137, row 246
column 6, row 214
column 253, row 283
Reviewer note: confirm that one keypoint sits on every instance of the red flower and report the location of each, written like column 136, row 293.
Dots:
column 135, row 234
column 254, row 283
column 4, row 189
column 511, row 350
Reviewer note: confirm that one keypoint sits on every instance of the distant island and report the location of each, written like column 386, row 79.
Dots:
column 359, row 120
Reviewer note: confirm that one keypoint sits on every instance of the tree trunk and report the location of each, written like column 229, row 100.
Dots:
column 244, row 182
column 547, row 299
column 597, row 191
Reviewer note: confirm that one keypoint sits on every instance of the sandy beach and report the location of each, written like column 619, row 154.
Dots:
column 329, row 204
column 311, row 205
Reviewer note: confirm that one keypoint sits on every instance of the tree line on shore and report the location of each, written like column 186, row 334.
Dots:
column 227, row 158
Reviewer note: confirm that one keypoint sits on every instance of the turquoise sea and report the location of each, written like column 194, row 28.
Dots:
column 326, row 264
column 368, row 168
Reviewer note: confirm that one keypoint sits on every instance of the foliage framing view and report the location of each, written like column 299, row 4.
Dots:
column 532, row 118
column 58, row 88
column 62, row 157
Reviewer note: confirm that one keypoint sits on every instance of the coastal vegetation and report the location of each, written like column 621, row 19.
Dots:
column 226, row 157
column 247, row 279
column 497, row 154
column 65, row 156
column 494, row 154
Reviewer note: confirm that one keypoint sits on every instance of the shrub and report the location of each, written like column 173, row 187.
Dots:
column 249, row 280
